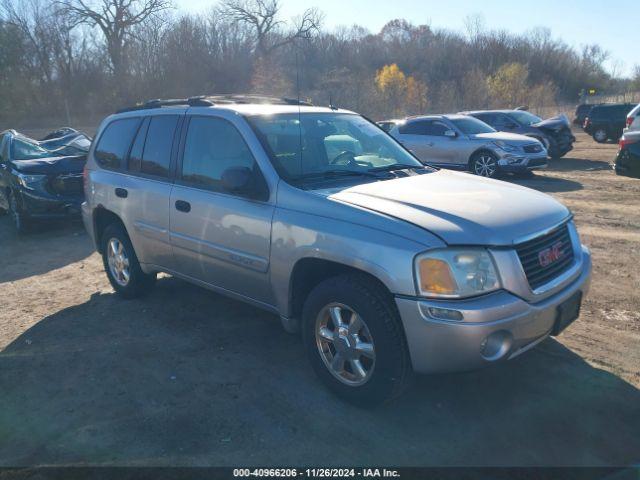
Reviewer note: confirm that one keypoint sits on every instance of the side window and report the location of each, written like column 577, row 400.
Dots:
column 213, row 145
column 135, row 157
column 488, row 118
column 115, row 141
column 437, row 129
column 502, row 121
column 415, row 128
column 156, row 156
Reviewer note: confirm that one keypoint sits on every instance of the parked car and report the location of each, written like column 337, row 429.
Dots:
column 554, row 133
column 41, row 179
column 466, row 143
column 633, row 120
column 628, row 158
column 385, row 265
column 607, row 121
column 582, row 111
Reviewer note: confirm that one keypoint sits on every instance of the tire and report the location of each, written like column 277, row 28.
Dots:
column 484, row 164
column 600, row 135
column 21, row 221
column 121, row 264
column 385, row 362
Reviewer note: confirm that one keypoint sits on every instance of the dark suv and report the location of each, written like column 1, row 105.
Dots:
column 606, row 122
column 554, row 133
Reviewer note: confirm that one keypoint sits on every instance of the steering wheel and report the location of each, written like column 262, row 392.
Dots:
column 346, row 154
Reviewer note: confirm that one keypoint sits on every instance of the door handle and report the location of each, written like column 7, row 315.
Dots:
column 122, row 192
column 183, row 206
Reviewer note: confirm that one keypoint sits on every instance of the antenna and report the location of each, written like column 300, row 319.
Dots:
column 299, row 113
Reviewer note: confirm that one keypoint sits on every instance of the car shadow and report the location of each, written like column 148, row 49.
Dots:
column 187, row 377
column 47, row 247
column 566, row 164
column 545, row 183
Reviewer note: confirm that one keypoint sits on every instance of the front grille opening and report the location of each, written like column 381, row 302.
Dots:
column 546, row 257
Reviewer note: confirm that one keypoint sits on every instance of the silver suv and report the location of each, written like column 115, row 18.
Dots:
column 465, row 143
column 386, row 266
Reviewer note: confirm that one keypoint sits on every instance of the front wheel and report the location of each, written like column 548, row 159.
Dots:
column 484, row 164
column 354, row 339
column 21, row 221
column 600, row 135
column 121, row 264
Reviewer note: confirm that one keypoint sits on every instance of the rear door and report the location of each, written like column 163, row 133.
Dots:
column 5, row 171
column 219, row 237
column 148, row 190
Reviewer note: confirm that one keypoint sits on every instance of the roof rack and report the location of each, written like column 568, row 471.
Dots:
column 199, row 101
column 211, row 100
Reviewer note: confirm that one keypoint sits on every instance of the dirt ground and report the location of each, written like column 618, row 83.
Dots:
column 187, row 377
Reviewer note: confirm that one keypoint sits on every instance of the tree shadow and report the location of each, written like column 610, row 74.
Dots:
column 49, row 246
column 185, row 377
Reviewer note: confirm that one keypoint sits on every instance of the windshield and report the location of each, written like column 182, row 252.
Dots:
column 471, row 126
column 23, row 150
column 524, row 118
column 307, row 144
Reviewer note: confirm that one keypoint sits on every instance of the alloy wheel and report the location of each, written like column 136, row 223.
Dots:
column 485, row 166
column 118, row 262
column 345, row 344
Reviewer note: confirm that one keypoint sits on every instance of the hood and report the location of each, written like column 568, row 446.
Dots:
column 51, row 166
column 513, row 138
column 554, row 123
column 460, row 208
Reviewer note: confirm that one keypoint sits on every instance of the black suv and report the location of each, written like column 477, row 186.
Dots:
column 607, row 121
column 582, row 112
column 554, row 133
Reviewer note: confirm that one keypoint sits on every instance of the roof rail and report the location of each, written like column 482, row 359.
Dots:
column 200, row 101
column 253, row 99
column 210, row 100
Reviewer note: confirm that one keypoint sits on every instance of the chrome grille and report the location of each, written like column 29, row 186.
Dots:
column 547, row 256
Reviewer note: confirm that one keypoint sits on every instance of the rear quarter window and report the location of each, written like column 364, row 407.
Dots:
column 114, row 143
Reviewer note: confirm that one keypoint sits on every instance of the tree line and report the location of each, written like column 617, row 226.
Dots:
column 69, row 58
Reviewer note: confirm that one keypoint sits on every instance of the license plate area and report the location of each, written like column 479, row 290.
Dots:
column 566, row 313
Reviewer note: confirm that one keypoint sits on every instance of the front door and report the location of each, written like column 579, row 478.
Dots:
column 219, row 237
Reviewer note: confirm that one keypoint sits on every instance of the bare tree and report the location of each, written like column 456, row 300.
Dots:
column 116, row 19
column 270, row 32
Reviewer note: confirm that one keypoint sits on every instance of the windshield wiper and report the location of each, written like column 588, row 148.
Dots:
column 338, row 173
column 395, row 166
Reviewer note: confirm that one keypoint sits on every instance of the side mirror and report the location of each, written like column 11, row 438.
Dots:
column 237, row 179
column 450, row 134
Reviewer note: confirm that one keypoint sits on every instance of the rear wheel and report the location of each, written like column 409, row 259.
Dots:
column 20, row 220
column 600, row 135
column 355, row 341
column 484, row 164
column 121, row 264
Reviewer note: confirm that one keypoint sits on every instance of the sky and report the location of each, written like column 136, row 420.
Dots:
column 614, row 25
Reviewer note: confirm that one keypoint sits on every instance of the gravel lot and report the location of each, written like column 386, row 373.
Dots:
column 187, row 377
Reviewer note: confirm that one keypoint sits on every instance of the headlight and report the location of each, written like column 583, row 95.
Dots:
column 30, row 181
column 505, row 146
column 456, row 273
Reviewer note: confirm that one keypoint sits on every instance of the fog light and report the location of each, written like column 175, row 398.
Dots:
column 496, row 345
column 445, row 314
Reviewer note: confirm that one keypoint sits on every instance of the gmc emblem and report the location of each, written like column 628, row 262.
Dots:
column 549, row 255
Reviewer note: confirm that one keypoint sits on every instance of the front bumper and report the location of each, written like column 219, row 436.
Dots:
column 42, row 205
column 522, row 163
column 496, row 327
